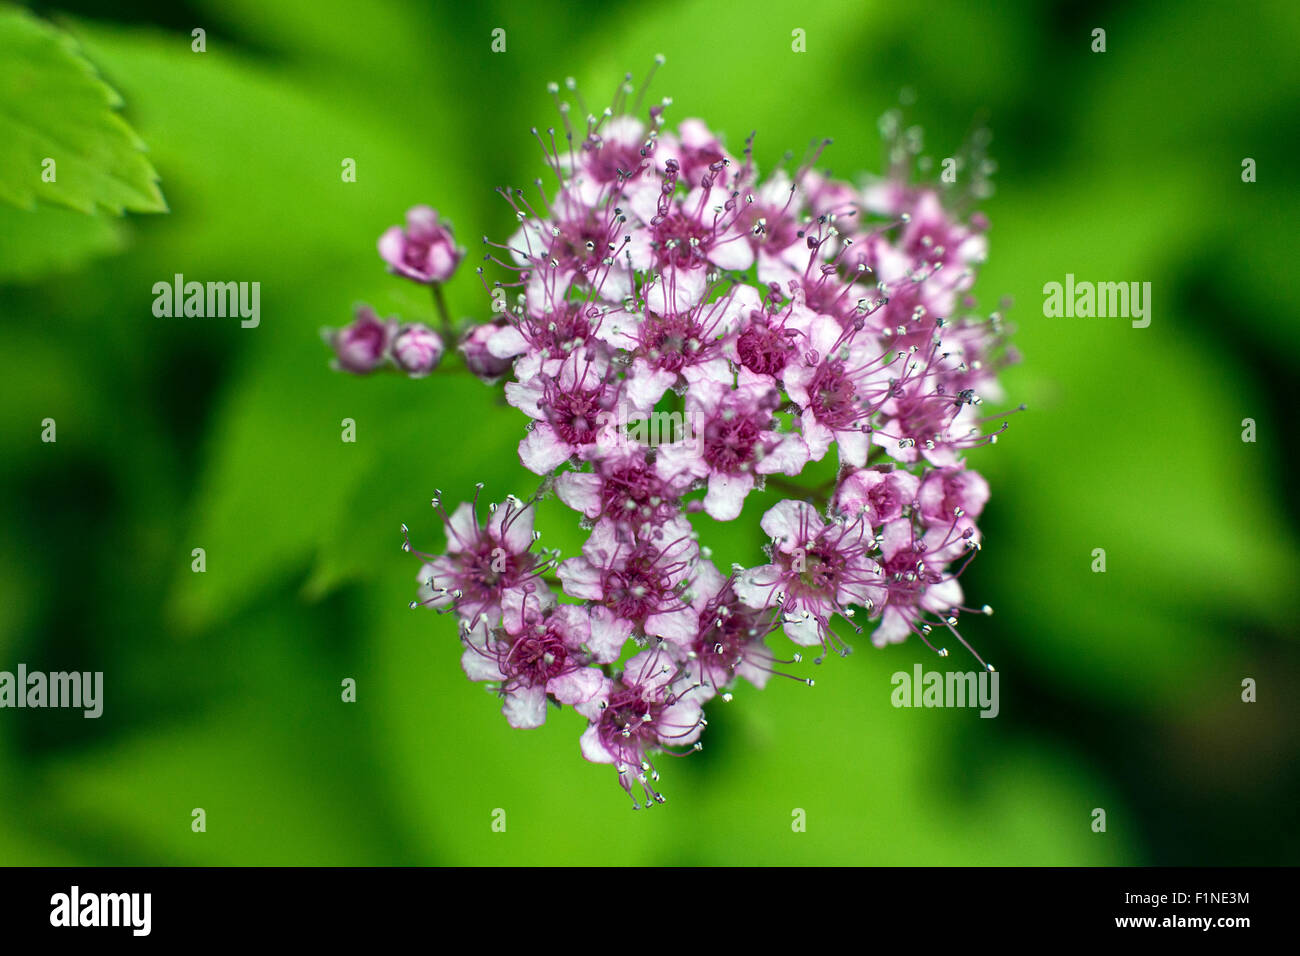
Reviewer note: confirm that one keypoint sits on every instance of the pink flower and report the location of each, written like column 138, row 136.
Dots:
column 639, row 579
column 661, row 380
column 362, row 346
column 578, row 242
column 668, row 346
column 886, row 196
column 682, row 239
column 921, row 419
column 916, row 582
column 774, row 223
column 904, row 320
column 613, row 159
column 478, row 356
column 938, row 243
column 730, row 640
column 828, row 196
column 877, row 494
column 766, row 344
column 949, row 495
column 933, row 252
column 699, row 153
column 845, row 298
column 542, row 339
column 625, row 488
column 482, row 563
column 735, row 440
column 972, row 355
column 839, row 384
column 648, row 707
column 817, row 570
column 417, row 349
column 573, row 411
column 424, row 251
column 538, row 653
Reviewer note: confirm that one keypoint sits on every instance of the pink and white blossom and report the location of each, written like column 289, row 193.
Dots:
column 735, row 442
column 818, row 570
column 684, row 336
column 649, row 706
column 362, row 346
column 539, row 653
column 640, row 578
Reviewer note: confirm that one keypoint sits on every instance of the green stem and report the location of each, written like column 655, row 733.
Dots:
column 440, row 303
column 796, row 489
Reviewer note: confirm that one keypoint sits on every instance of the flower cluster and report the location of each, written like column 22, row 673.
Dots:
column 424, row 252
column 369, row 343
column 686, row 335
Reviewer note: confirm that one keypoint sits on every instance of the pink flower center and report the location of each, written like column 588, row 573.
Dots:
column 581, row 244
column 484, row 570
column 726, row 631
column 903, row 579
column 885, row 498
column 560, row 333
column 636, row 493
column 576, row 414
column 763, row 349
column 681, row 240
column 606, row 161
column 729, row 443
column 832, row 397
column 537, row 657
column 640, row 588
column 624, row 728
column 921, row 417
column 671, row 342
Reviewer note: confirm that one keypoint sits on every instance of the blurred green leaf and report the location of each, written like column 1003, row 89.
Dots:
column 49, row 240
column 1120, row 690
column 54, row 107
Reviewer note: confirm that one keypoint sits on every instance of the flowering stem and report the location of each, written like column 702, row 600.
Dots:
column 440, row 303
column 793, row 487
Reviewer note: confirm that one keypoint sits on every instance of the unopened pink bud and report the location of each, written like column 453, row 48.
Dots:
column 424, row 251
column 361, row 347
column 417, row 349
column 478, row 359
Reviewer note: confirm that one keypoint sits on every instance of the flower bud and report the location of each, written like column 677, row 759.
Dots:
column 424, row 251
column 362, row 346
column 478, row 359
column 417, row 349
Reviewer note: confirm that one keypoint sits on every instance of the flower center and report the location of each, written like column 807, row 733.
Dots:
column 638, row 589
column 536, row 658
column 763, row 349
column 729, row 443
column 832, row 396
column 575, row 415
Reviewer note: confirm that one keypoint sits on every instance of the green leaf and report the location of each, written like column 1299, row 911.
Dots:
column 54, row 107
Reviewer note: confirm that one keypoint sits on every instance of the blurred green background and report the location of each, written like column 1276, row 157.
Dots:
column 1118, row 690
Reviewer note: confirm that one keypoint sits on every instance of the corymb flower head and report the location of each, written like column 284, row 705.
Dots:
column 681, row 337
